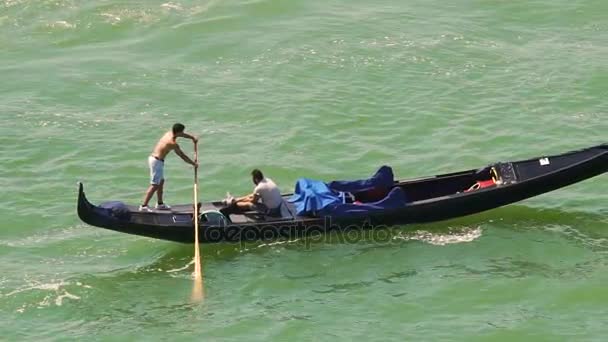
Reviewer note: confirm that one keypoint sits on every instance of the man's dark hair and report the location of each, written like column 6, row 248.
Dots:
column 178, row 128
column 257, row 174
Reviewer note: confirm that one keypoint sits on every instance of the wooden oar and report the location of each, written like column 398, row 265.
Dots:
column 197, row 291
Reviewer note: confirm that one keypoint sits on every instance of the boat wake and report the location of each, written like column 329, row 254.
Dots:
column 462, row 235
column 277, row 243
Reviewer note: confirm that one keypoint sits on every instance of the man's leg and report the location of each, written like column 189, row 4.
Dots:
column 156, row 180
column 249, row 206
column 237, row 207
column 151, row 190
column 159, row 192
column 244, row 206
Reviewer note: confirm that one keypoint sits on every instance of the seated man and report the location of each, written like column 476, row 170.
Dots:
column 266, row 197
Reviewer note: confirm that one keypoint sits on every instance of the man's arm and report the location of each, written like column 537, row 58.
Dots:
column 184, row 157
column 188, row 136
column 256, row 197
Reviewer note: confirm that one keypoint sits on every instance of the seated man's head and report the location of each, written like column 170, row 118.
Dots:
column 178, row 128
column 257, row 176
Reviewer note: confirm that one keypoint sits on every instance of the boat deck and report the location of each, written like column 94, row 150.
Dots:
column 184, row 212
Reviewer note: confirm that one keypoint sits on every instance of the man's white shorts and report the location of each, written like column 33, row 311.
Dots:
column 156, row 170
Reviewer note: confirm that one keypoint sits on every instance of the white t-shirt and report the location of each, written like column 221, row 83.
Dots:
column 269, row 193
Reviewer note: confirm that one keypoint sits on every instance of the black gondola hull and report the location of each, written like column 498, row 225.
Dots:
column 433, row 199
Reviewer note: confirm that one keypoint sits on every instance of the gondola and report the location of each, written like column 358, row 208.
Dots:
column 427, row 199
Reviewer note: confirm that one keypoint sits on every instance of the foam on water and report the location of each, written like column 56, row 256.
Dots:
column 460, row 235
column 28, row 294
column 181, row 268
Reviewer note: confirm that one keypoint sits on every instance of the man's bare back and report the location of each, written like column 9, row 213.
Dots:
column 165, row 145
column 168, row 143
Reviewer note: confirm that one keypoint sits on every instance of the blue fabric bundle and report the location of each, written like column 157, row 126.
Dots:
column 117, row 209
column 395, row 199
column 383, row 178
column 312, row 196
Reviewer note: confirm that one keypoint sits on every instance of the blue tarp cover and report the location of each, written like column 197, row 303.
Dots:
column 395, row 199
column 313, row 197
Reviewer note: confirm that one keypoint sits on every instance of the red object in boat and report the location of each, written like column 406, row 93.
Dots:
column 485, row 184
column 481, row 185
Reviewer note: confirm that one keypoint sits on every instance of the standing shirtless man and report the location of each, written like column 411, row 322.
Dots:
column 156, row 161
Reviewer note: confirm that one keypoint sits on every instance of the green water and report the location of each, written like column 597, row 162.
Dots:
column 323, row 89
